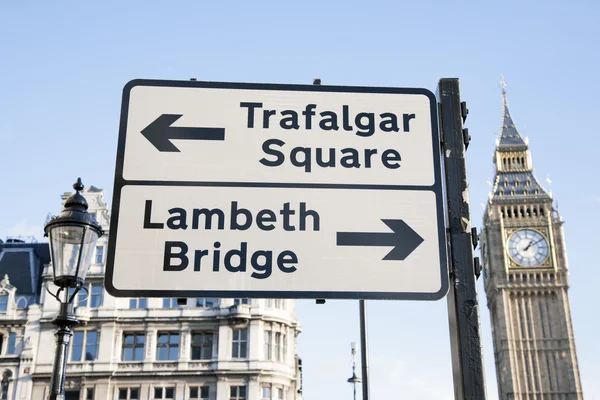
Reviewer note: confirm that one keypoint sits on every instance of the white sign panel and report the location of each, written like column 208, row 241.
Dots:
column 251, row 190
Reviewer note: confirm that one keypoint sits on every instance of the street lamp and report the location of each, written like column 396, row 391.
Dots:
column 354, row 379
column 73, row 234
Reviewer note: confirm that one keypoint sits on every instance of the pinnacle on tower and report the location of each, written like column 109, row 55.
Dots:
column 510, row 139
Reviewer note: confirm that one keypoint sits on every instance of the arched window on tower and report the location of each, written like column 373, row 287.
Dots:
column 4, row 385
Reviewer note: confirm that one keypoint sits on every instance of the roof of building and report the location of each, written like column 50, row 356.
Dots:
column 519, row 186
column 510, row 140
column 23, row 263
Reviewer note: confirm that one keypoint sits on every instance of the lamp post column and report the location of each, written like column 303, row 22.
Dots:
column 65, row 321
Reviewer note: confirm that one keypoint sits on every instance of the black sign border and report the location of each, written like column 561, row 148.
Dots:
column 120, row 182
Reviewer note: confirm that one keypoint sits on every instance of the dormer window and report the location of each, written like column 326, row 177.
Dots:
column 3, row 302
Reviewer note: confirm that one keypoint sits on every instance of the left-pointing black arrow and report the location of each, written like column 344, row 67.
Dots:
column 160, row 132
column 404, row 239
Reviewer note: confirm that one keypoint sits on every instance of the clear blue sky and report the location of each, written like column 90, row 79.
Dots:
column 63, row 67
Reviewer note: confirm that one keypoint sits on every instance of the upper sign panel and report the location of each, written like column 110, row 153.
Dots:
column 216, row 132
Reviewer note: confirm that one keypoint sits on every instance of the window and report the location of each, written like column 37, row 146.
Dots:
column 241, row 301
column 200, row 393
column 96, row 295
column 93, row 296
column 237, row 393
column 133, row 346
column 206, row 302
column 89, row 394
column 129, row 394
column 284, row 347
column 167, row 347
column 138, row 303
column 3, row 303
column 202, row 345
column 275, row 303
column 84, row 342
column 164, row 393
column 266, row 393
column 99, row 254
column 6, row 377
column 170, row 303
column 268, row 344
column 279, row 394
column 277, row 346
column 12, row 341
column 240, row 343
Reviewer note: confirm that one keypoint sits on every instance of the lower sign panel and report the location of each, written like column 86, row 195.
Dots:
column 280, row 242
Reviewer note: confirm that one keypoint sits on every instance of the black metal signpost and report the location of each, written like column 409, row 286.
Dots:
column 463, row 309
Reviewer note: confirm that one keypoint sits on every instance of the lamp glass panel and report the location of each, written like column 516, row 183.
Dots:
column 66, row 242
column 89, row 246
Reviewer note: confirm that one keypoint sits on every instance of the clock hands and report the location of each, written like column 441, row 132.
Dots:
column 531, row 243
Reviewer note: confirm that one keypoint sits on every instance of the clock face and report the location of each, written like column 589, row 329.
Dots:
column 527, row 247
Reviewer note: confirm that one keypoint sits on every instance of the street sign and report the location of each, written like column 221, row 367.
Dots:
column 260, row 190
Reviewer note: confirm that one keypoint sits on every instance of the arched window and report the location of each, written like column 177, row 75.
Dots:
column 5, row 384
column 21, row 303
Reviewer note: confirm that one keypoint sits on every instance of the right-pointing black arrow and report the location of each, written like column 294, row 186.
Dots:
column 404, row 239
column 160, row 132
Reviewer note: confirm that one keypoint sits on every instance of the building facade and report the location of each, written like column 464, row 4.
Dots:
column 526, row 280
column 23, row 260
column 150, row 348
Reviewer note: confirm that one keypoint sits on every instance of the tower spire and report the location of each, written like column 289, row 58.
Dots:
column 509, row 136
column 514, row 170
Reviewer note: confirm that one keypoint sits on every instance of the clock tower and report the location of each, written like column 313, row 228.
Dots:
column 526, row 279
